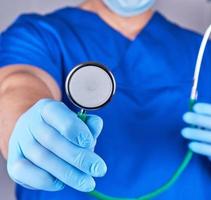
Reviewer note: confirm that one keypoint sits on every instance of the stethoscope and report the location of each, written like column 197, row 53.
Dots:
column 91, row 85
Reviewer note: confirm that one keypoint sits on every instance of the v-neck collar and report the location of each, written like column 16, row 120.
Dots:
column 105, row 25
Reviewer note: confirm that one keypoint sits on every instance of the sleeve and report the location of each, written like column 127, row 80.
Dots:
column 30, row 41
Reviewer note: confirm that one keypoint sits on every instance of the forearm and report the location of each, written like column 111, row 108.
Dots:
column 19, row 90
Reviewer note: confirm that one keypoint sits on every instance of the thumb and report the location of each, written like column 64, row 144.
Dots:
column 95, row 125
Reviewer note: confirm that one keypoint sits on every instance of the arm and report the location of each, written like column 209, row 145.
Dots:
column 32, row 135
column 20, row 88
column 46, row 145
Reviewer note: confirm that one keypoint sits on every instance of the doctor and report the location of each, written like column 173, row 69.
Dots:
column 49, row 149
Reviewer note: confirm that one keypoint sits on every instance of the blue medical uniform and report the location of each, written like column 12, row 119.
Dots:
column 141, row 141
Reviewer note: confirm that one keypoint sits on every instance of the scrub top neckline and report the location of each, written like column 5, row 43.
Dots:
column 146, row 28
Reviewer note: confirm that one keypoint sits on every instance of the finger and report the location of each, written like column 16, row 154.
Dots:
column 28, row 175
column 197, row 119
column 67, row 123
column 58, row 168
column 200, row 148
column 83, row 159
column 197, row 134
column 22, row 170
column 202, row 108
column 95, row 125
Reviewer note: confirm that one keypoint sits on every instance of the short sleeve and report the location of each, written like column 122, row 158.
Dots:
column 30, row 41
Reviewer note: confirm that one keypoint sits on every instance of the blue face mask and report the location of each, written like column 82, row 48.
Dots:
column 128, row 8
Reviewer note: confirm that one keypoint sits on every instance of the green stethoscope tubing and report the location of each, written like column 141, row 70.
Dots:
column 156, row 192
column 189, row 154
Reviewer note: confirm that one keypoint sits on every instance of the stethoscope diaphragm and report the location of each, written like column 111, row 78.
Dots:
column 90, row 86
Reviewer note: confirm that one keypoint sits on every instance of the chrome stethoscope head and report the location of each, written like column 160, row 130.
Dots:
column 90, row 86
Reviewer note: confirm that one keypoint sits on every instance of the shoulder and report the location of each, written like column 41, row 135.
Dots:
column 178, row 32
column 57, row 19
column 181, row 34
column 46, row 30
column 50, row 15
column 181, row 38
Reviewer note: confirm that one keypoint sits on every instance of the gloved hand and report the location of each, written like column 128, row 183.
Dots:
column 200, row 133
column 50, row 147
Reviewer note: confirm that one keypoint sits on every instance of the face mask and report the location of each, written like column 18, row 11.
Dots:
column 128, row 8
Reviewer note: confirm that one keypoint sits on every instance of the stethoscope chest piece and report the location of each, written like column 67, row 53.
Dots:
column 90, row 86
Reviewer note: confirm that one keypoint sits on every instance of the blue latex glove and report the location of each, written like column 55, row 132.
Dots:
column 51, row 147
column 200, row 135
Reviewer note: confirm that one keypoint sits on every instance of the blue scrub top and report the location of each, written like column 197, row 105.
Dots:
column 141, row 141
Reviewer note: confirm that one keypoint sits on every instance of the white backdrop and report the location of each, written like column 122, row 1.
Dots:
column 194, row 14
